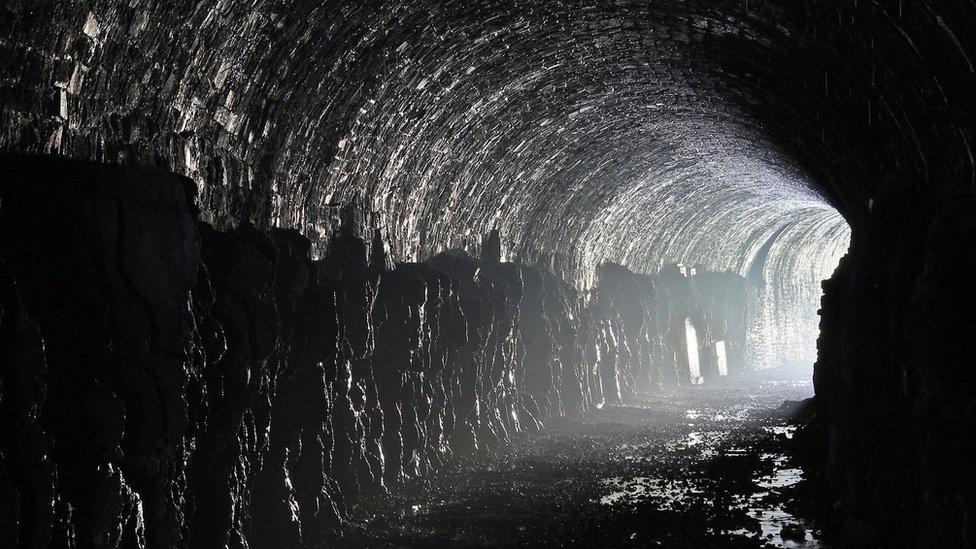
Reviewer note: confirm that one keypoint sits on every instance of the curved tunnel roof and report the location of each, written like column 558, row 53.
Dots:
column 628, row 131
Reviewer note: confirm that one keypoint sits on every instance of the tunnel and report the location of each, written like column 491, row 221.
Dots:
column 271, row 268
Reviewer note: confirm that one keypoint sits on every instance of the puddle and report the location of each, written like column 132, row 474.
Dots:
column 735, row 413
column 697, row 442
column 626, row 490
column 785, row 430
column 773, row 517
column 664, row 493
column 695, row 468
column 762, row 505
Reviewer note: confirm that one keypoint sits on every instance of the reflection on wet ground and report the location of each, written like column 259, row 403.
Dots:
column 699, row 467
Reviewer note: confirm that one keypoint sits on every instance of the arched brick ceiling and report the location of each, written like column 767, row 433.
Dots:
column 642, row 132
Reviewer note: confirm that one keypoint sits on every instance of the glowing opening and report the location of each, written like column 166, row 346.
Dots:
column 694, row 367
column 722, row 359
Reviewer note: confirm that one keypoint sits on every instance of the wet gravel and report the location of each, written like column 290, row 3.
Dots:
column 698, row 467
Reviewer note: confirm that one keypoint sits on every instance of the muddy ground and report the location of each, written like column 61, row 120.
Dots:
column 700, row 467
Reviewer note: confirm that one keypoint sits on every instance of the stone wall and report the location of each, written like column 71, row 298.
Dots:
column 168, row 384
column 895, row 384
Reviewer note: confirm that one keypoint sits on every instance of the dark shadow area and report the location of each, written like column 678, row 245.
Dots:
column 266, row 266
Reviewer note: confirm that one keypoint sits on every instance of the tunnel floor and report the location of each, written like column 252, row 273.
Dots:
column 699, row 467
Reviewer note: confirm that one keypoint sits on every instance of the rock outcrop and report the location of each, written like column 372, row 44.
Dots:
column 895, row 408
column 169, row 384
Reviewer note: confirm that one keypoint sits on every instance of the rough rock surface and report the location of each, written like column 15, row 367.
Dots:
column 744, row 136
column 170, row 384
column 895, row 391
column 690, row 467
